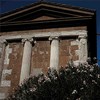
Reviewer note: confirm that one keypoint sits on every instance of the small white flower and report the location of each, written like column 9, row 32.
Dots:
column 85, row 71
column 91, row 69
column 40, row 79
column 91, row 75
column 82, row 70
column 78, row 99
column 84, row 82
column 94, row 81
column 98, row 75
column 33, row 89
column 47, row 79
column 78, row 70
column 67, row 69
column 55, row 78
column 81, row 88
column 74, row 92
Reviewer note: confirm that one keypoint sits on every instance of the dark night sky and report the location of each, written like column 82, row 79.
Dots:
column 8, row 5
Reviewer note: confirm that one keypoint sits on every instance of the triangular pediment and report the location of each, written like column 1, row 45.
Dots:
column 41, row 18
column 41, row 11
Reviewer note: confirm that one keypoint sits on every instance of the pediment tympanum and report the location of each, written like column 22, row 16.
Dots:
column 43, row 14
column 44, row 11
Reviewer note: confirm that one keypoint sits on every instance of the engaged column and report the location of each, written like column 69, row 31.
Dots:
column 26, row 61
column 54, row 55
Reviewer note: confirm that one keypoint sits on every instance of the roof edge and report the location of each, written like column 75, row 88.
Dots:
column 50, row 3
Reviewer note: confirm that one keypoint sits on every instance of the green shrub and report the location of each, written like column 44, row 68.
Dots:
column 71, row 82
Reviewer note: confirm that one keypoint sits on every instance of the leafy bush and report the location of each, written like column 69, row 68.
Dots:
column 71, row 82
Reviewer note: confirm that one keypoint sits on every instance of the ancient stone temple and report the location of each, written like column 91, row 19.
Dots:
column 42, row 35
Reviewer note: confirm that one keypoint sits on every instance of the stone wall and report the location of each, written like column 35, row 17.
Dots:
column 69, row 43
column 11, row 68
column 68, row 51
column 40, row 57
column 18, row 34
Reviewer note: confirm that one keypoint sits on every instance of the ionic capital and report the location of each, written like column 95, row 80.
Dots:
column 4, row 42
column 82, row 36
column 53, row 38
column 31, row 40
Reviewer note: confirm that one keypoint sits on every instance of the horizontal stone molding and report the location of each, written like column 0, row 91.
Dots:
column 45, row 34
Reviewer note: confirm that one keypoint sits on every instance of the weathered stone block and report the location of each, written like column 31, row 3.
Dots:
column 5, row 83
column 8, row 51
column 6, row 71
column 2, row 96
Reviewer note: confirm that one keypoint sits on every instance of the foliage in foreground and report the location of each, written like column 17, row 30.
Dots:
column 69, row 83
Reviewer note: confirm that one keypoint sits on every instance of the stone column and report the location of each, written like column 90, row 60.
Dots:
column 54, row 55
column 83, row 48
column 26, row 61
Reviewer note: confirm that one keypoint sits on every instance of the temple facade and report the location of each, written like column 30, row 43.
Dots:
column 42, row 35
